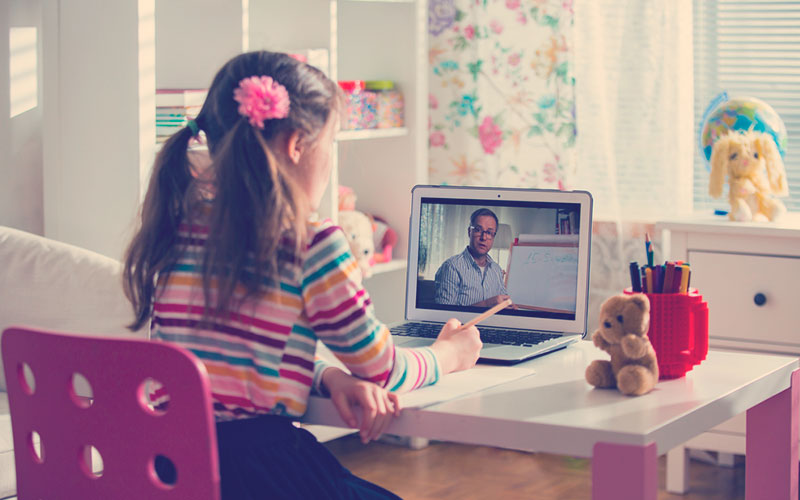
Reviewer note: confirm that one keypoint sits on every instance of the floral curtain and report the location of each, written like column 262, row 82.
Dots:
column 502, row 101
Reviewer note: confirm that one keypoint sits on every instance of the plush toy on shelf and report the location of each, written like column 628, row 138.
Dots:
column 357, row 226
column 347, row 198
column 359, row 229
column 755, row 173
column 384, row 238
column 633, row 368
column 744, row 139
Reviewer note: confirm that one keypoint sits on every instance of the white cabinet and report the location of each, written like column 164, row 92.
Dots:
column 749, row 274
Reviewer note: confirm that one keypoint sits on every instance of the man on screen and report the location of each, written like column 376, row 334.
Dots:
column 472, row 278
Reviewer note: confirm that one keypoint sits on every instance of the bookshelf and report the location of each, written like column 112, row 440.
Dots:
column 365, row 40
column 181, row 44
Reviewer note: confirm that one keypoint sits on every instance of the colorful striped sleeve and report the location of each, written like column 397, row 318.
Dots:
column 320, row 365
column 341, row 314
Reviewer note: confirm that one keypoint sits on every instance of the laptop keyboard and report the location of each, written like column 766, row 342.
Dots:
column 488, row 335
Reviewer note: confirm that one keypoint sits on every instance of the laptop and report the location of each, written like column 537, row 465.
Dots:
column 471, row 247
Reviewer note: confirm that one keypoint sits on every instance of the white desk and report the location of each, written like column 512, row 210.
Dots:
column 556, row 411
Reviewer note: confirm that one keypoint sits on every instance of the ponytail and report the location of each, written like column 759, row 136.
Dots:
column 256, row 207
column 153, row 249
column 258, row 213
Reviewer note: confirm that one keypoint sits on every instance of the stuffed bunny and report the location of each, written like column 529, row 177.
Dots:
column 755, row 174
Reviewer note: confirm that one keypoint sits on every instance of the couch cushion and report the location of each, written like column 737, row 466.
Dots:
column 8, row 482
column 56, row 286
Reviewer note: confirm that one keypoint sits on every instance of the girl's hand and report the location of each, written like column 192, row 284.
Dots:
column 456, row 348
column 349, row 393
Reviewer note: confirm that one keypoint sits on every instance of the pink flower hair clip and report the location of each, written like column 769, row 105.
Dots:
column 261, row 98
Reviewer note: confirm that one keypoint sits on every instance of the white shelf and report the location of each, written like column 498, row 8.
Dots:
column 385, row 267
column 372, row 133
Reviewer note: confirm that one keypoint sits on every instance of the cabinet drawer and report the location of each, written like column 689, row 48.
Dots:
column 729, row 282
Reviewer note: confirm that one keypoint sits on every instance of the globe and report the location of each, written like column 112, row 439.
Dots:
column 739, row 114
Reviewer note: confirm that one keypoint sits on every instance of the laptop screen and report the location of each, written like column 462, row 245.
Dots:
column 470, row 248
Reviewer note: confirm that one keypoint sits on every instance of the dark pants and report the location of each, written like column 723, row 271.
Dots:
column 268, row 457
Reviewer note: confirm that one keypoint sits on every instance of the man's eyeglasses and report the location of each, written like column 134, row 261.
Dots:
column 482, row 232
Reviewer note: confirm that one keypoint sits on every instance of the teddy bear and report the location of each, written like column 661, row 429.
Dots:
column 633, row 369
column 384, row 238
column 755, row 172
column 358, row 228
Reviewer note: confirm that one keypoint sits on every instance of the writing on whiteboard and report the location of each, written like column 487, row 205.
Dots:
column 543, row 273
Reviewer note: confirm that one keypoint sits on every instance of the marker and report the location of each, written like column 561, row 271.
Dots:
column 636, row 282
column 649, row 274
column 658, row 279
column 676, row 279
column 485, row 314
column 644, row 278
column 668, row 277
column 685, row 279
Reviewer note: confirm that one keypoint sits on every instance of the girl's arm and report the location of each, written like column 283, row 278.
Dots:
column 341, row 314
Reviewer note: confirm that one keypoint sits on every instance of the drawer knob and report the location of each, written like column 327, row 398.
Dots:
column 760, row 299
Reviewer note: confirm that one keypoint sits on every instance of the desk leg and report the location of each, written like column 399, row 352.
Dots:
column 771, row 446
column 678, row 470
column 624, row 471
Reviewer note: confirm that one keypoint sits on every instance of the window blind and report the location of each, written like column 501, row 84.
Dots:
column 633, row 104
column 748, row 48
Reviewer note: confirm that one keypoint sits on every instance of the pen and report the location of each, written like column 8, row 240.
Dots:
column 485, row 314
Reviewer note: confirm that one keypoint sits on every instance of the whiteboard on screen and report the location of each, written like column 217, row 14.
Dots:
column 543, row 272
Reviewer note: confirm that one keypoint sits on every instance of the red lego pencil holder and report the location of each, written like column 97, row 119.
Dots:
column 678, row 331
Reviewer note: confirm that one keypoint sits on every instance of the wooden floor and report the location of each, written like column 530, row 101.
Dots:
column 446, row 471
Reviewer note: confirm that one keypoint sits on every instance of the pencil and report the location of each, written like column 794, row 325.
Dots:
column 648, row 246
column 485, row 314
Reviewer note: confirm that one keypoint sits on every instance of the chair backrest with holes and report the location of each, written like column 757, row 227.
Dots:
column 116, row 422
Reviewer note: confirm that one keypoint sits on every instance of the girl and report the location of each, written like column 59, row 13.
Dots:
column 226, row 264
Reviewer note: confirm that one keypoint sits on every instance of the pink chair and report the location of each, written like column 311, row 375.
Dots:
column 45, row 373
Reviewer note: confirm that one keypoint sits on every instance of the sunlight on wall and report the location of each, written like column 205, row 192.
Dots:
column 245, row 25
column 23, row 70
column 147, row 85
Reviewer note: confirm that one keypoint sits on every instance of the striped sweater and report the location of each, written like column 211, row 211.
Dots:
column 262, row 359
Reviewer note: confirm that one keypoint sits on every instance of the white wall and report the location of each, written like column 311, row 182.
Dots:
column 99, row 126
column 306, row 23
column 194, row 38
column 21, row 137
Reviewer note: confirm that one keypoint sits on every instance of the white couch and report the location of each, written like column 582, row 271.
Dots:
column 55, row 286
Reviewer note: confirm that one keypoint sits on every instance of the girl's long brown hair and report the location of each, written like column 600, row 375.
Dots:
column 255, row 203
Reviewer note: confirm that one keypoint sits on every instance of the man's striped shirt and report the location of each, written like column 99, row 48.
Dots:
column 460, row 281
